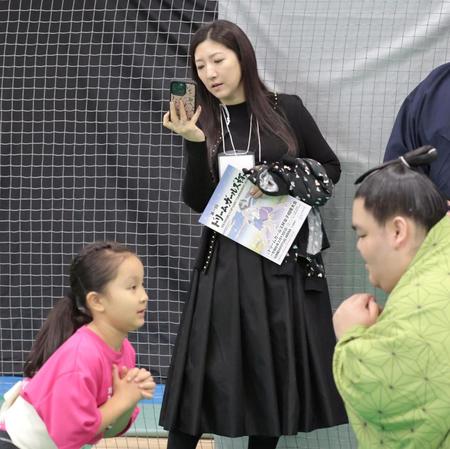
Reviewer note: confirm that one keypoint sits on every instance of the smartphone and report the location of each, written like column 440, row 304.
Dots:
column 184, row 91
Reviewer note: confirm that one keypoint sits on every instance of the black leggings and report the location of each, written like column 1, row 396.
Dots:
column 180, row 440
column 5, row 441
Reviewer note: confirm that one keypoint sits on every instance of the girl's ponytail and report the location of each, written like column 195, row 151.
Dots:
column 63, row 320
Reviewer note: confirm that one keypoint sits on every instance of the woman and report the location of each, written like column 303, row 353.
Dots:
column 253, row 353
column 392, row 366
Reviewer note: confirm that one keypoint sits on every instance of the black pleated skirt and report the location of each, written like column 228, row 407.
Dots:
column 254, row 350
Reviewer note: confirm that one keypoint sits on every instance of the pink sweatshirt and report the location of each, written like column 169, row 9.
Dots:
column 71, row 386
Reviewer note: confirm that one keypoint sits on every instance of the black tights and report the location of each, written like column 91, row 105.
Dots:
column 181, row 440
column 5, row 441
column 258, row 442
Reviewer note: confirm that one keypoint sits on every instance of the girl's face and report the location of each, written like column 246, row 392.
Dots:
column 124, row 298
column 219, row 69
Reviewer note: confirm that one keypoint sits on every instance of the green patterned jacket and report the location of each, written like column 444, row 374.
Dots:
column 394, row 376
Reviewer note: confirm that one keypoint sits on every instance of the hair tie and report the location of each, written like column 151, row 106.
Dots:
column 76, row 301
column 420, row 156
column 404, row 161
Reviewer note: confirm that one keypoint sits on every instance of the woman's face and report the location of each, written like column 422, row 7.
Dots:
column 219, row 69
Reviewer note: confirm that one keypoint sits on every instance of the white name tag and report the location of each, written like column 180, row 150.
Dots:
column 240, row 161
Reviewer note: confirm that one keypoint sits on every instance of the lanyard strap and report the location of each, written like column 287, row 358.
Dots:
column 225, row 115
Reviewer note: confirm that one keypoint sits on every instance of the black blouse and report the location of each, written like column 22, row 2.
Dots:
column 199, row 185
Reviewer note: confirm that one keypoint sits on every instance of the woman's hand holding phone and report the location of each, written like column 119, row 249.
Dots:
column 180, row 124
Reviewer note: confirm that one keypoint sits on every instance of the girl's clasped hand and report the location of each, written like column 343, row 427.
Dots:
column 135, row 383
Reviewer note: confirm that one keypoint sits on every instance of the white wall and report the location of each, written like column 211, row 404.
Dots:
column 353, row 62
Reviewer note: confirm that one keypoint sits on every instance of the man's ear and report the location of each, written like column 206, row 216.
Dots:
column 94, row 302
column 400, row 231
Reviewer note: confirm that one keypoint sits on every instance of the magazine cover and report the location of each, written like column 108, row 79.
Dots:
column 267, row 225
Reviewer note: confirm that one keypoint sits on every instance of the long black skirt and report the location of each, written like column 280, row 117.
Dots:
column 254, row 351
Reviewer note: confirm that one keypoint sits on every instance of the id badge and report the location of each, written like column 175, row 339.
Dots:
column 238, row 160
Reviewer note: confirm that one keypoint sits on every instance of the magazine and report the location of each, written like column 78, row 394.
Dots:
column 267, row 225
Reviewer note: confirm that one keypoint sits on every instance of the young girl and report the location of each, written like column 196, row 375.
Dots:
column 254, row 349
column 81, row 383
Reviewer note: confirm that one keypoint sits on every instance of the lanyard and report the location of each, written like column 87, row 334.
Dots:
column 225, row 115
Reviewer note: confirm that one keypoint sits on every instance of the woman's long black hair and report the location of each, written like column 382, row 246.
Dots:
column 259, row 100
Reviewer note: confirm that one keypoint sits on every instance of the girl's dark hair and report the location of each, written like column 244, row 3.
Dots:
column 396, row 189
column 91, row 270
column 259, row 100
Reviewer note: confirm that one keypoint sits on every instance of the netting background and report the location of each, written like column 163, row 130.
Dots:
column 83, row 86
column 353, row 63
column 84, row 157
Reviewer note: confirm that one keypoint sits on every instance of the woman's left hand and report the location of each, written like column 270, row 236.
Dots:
column 255, row 192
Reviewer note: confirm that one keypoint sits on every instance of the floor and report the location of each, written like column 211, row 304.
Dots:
column 144, row 443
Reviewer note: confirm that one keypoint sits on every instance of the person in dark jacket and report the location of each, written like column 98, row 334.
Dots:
column 255, row 344
column 423, row 119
